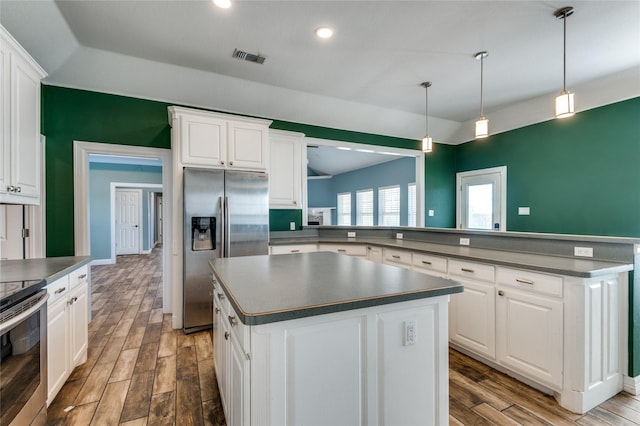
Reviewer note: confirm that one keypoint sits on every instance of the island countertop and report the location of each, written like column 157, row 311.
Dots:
column 265, row 289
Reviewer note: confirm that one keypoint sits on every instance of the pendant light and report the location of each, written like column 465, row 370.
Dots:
column 427, row 141
column 482, row 123
column 564, row 102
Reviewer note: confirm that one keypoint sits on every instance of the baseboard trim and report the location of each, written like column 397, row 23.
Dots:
column 146, row 251
column 631, row 385
column 97, row 262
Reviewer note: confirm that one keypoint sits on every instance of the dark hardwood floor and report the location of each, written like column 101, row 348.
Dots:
column 142, row 372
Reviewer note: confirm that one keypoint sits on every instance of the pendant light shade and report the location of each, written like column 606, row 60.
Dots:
column 482, row 123
column 565, row 106
column 427, row 141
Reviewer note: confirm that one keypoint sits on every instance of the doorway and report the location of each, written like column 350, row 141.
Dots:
column 128, row 221
column 481, row 199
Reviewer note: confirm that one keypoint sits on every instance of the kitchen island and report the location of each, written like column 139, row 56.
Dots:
column 321, row 338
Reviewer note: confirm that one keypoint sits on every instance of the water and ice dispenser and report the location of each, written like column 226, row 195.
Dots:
column 203, row 232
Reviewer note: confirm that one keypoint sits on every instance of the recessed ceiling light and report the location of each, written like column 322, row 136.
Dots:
column 222, row 4
column 324, row 32
column 344, row 148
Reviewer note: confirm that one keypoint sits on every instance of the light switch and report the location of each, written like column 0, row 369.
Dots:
column 524, row 211
column 431, row 212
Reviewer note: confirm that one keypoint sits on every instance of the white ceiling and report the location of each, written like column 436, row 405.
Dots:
column 328, row 160
column 367, row 78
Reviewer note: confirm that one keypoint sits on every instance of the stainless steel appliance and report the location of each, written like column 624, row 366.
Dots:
column 23, row 353
column 226, row 214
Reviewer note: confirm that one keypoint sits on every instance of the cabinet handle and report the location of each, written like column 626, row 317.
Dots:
column 500, row 293
column 342, row 251
column 295, row 202
column 217, row 310
column 72, row 301
column 18, row 189
column 60, row 290
column 233, row 321
column 231, row 163
column 426, row 262
column 524, row 281
column 222, row 162
column 83, row 276
column 295, row 251
column 226, row 335
column 11, row 188
column 471, row 271
column 221, row 296
column 395, row 256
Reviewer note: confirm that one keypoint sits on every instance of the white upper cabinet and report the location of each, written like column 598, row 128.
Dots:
column 20, row 166
column 208, row 139
column 286, row 169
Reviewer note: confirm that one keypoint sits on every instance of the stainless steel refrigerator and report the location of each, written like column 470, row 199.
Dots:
column 226, row 214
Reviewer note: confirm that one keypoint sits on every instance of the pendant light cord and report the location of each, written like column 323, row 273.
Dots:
column 564, row 55
column 426, row 108
column 481, row 84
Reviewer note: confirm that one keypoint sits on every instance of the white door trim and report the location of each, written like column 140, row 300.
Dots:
column 502, row 171
column 81, row 151
column 114, row 186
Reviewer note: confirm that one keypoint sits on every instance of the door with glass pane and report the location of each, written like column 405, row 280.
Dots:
column 482, row 199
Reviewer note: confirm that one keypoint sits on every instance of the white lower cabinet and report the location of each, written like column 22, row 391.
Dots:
column 529, row 335
column 67, row 328
column 374, row 253
column 399, row 258
column 296, row 248
column 344, row 368
column 356, row 250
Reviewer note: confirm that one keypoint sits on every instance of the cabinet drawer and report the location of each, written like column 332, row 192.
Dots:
column 477, row 271
column 57, row 289
column 532, row 281
column 300, row 248
column 399, row 257
column 79, row 275
column 349, row 249
column 428, row 263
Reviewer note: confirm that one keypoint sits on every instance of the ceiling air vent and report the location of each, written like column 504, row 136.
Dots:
column 245, row 56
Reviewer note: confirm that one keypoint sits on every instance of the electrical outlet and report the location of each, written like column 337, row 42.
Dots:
column 410, row 332
column 399, row 236
column 351, row 234
column 583, row 251
column 464, row 241
column 292, row 226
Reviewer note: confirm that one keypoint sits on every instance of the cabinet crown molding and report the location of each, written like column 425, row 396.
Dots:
column 175, row 111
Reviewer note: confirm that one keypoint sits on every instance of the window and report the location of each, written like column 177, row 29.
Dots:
column 344, row 208
column 364, row 207
column 389, row 206
column 411, row 201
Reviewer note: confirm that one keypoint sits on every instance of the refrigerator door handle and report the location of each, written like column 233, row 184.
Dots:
column 227, row 225
column 222, row 227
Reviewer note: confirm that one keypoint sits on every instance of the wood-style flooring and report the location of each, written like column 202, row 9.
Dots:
column 142, row 372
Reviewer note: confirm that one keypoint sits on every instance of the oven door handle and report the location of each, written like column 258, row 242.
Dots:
column 9, row 323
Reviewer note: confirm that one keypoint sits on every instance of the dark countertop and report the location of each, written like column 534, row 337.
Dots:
column 48, row 269
column 266, row 289
column 583, row 268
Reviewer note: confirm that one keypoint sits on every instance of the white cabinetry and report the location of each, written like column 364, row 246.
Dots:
column 208, row 139
column 20, row 146
column 295, row 248
column 374, row 253
column 472, row 312
column 399, row 258
column 430, row 265
column 231, row 361
column 286, row 162
column 356, row 250
column 67, row 322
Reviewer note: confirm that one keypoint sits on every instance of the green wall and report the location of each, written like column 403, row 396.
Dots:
column 579, row 175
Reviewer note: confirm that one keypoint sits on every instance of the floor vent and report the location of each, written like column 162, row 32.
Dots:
column 246, row 56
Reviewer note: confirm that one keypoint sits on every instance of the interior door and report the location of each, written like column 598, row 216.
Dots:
column 482, row 199
column 128, row 221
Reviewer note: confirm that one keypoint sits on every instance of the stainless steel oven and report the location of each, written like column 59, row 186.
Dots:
column 23, row 354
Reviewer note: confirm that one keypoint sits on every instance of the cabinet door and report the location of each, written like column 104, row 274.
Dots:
column 222, row 349
column 78, row 323
column 5, row 135
column 374, row 253
column 58, row 365
column 529, row 335
column 247, row 146
column 203, row 141
column 472, row 318
column 25, row 128
column 238, row 385
column 285, row 180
